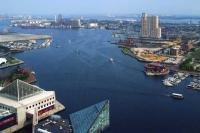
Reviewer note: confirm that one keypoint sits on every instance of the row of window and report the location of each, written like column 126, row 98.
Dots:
column 4, row 107
column 38, row 104
column 45, row 105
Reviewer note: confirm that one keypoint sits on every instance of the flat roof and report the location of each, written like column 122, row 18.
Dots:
column 53, row 126
column 13, row 37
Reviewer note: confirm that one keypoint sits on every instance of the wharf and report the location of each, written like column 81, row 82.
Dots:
column 14, row 37
column 15, row 63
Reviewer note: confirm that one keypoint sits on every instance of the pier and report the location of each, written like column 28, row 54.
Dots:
column 14, row 37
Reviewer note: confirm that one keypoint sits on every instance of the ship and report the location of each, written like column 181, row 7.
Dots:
column 156, row 69
column 177, row 96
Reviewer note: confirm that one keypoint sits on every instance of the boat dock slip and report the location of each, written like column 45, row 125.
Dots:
column 14, row 37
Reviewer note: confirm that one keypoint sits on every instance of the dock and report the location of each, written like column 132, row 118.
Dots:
column 10, row 64
column 14, row 37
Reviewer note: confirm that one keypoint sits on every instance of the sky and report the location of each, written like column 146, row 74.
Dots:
column 104, row 7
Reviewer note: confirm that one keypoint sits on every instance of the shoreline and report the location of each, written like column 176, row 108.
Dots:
column 13, row 64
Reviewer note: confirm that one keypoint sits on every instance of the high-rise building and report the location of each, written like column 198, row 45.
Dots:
column 59, row 18
column 72, row 23
column 150, row 26
column 145, row 25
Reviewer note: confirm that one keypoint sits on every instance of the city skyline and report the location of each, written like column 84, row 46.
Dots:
column 104, row 7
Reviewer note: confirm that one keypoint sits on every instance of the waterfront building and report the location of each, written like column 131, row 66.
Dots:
column 175, row 51
column 93, row 119
column 72, row 23
column 145, row 26
column 150, row 26
column 21, row 102
column 59, row 18
column 187, row 46
column 3, row 61
column 92, row 25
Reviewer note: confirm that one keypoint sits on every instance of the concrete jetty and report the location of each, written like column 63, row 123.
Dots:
column 13, row 37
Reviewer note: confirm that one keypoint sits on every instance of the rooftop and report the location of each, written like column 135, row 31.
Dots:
column 19, row 90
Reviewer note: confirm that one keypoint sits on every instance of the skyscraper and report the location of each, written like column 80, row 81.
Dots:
column 150, row 26
column 145, row 25
column 59, row 18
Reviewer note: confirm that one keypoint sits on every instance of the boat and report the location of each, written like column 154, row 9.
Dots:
column 177, row 96
column 156, row 69
column 167, row 83
column 111, row 60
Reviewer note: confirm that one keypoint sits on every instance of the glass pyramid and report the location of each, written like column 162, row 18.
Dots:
column 19, row 90
column 92, row 119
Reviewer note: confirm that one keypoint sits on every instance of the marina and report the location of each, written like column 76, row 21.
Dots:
column 175, row 79
column 18, row 42
column 195, row 84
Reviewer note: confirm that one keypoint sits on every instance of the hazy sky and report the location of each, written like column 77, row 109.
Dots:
column 183, row 7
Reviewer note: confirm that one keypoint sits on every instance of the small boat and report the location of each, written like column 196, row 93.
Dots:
column 33, row 72
column 177, row 96
column 167, row 83
column 111, row 60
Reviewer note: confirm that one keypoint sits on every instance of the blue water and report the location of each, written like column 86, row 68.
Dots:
column 81, row 75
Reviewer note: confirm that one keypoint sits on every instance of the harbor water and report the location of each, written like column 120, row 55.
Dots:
column 77, row 67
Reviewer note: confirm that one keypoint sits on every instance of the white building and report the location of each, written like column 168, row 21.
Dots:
column 18, row 103
column 3, row 61
column 93, row 25
column 150, row 26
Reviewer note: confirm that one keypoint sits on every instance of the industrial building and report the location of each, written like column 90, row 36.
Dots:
column 150, row 26
column 93, row 119
column 20, row 102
